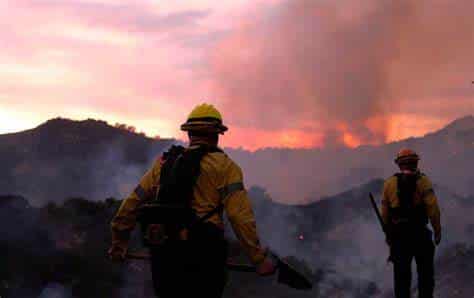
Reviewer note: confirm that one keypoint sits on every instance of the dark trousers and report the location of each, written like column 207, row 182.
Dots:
column 406, row 246
column 191, row 268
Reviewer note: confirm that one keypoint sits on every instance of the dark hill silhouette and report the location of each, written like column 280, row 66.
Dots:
column 61, row 245
column 303, row 175
column 64, row 158
column 63, row 138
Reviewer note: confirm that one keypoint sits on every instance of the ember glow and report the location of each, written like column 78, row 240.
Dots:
column 295, row 74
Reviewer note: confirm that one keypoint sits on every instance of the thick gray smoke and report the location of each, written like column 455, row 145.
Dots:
column 341, row 238
column 343, row 68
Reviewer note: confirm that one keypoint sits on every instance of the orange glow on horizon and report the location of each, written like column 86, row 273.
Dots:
column 402, row 126
column 350, row 140
column 399, row 127
column 254, row 139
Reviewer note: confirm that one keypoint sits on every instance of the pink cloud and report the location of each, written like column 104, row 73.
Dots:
column 148, row 64
column 104, row 59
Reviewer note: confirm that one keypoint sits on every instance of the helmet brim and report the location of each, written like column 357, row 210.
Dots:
column 204, row 127
column 407, row 159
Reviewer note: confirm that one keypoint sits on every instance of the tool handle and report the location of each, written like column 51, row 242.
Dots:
column 377, row 212
column 382, row 224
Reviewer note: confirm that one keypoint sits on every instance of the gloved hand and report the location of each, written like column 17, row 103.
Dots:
column 117, row 253
column 438, row 238
column 267, row 266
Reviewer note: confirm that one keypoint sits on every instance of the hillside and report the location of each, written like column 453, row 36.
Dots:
column 341, row 235
column 301, row 176
column 62, row 158
column 337, row 237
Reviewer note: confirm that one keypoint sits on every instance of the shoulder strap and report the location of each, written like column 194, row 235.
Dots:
column 223, row 192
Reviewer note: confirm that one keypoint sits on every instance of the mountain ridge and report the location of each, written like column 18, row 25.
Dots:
column 463, row 123
column 101, row 160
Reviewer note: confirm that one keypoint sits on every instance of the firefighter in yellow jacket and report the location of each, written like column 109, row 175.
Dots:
column 409, row 203
column 190, row 261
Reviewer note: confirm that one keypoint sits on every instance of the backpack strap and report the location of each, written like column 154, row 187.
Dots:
column 224, row 192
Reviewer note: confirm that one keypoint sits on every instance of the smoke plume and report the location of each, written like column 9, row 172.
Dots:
column 343, row 68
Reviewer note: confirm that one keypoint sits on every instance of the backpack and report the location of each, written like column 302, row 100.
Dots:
column 169, row 216
column 407, row 212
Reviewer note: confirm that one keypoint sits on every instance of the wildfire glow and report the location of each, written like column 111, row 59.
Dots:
column 148, row 64
column 253, row 139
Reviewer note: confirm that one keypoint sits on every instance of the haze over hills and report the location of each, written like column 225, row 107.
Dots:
column 340, row 235
column 64, row 158
column 304, row 175
column 336, row 235
column 337, row 238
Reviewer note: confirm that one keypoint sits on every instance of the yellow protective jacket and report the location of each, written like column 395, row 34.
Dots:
column 220, row 181
column 424, row 195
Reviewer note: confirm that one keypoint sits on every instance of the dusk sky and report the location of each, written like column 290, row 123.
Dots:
column 301, row 73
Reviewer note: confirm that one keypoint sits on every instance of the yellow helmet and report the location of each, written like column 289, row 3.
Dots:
column 204, row 118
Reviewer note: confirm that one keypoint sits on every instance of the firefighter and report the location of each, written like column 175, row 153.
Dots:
column 190, row 261
column 409, row 203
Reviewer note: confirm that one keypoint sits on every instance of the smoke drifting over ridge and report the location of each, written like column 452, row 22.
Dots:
column 340, row 70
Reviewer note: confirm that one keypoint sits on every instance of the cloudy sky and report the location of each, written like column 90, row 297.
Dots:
column 298, row 73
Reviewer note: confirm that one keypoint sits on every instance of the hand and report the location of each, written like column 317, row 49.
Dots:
column 438, row 238
column 117, row 253
column 266, row 267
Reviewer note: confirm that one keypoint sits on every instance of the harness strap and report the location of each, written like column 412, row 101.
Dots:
column 224, row 192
